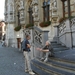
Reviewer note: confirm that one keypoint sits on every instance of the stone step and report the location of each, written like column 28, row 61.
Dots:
column 57, row 46
column 46, row 69
column 65, row 66
column 53, row 42
column 60, row 49
column 61, row 60
column 52, row 69
column 38, row 70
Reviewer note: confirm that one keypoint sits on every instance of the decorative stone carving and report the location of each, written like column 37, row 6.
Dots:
column 54, row 11
column 11, row 17
column 11, row 11
column 62, row 27
column 72, row 22
column 35, row 2
column 54, row 7
column 35, row 11
column 27, row 32
column 54, row 3
column 21, row 15
column 21, row 10
column 11, row 7
column 38, row 37
column 21, row 3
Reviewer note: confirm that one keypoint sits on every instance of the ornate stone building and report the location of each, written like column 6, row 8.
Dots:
column 56, row 11
column 23, row 12
column 2, row 30
column 13, row 19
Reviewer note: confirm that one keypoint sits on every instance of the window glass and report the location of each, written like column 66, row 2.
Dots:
column 46, row 10
column 30, row 15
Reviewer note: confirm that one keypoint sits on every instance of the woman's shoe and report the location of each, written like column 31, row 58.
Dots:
column 32, row 73
column 46, row 59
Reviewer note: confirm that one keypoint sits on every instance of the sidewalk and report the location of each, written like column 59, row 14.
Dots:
column 11, row 61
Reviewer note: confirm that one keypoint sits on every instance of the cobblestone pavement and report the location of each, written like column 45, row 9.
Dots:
column 11, row 61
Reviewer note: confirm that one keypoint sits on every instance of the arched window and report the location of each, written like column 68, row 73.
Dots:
column 46, row 10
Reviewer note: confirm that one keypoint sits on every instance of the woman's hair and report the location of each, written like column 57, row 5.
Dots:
column 48, row 42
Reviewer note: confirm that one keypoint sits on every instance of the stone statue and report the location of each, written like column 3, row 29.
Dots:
column 35, row 10
column 35, row 2
column 54, row 3
column 21, row 14
column 21, row 3
column 54, row 7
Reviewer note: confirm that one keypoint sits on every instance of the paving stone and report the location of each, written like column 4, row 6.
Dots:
column 11, row 61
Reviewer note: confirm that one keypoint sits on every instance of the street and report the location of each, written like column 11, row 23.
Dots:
column 11, row 61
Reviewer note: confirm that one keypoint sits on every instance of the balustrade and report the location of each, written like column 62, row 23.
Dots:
column 38, row 39
column 62, row 27
column 72, row 22
column 66, row 32
column 27, row 32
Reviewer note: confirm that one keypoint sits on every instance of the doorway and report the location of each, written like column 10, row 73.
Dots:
column 18, row 42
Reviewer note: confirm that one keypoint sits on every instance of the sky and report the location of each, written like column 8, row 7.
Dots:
column 2, row 3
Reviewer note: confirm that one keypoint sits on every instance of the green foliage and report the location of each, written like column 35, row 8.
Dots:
column 45, row 24
column 17, row 28
column 71, row 17
column 29, row 25
column 62, row 19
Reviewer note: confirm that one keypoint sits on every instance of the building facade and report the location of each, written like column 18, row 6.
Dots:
column 2, row 30
column 13, row 38
column 57, row 14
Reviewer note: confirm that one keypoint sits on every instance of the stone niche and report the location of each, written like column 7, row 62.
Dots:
column 35, row 11
column 54, row 10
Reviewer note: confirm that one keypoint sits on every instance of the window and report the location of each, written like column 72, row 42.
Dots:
column 18, row 15
column 72, row 6
column 30, row 15
column 66, row 7
column 46, row 10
